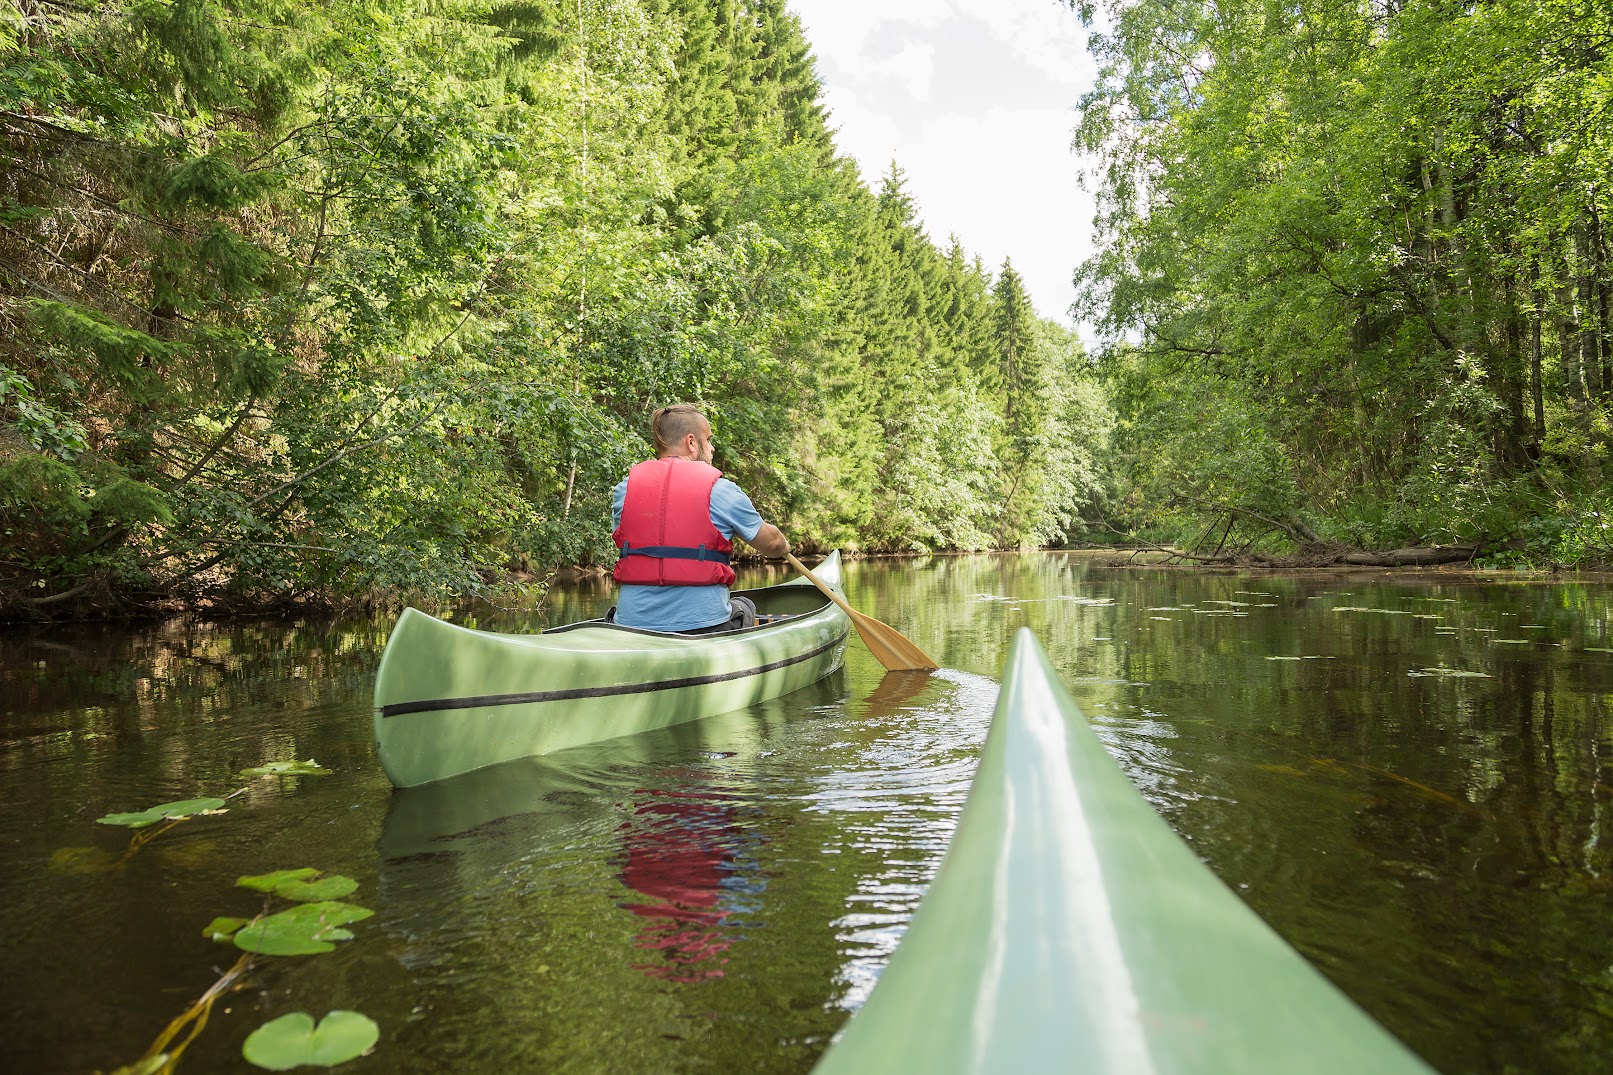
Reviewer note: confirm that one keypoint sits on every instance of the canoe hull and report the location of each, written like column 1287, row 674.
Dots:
column 1070, row 929
column 449, row 699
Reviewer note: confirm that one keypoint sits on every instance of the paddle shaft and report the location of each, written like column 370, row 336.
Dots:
column 821, row 585
column 889, row 647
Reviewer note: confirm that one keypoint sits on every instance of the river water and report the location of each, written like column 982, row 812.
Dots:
column 1407, row 776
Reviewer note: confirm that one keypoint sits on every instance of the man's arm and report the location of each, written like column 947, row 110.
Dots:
column 770, row 541
column 735, row 515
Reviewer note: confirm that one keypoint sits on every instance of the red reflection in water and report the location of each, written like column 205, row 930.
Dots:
column 677, row 846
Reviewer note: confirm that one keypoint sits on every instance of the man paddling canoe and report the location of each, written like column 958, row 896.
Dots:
column 674, row 520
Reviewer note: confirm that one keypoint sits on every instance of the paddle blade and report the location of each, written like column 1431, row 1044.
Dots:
column 888, row 645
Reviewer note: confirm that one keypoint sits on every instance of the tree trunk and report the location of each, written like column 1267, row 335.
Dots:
column 1590, row 349
column 1572, row 372
column 1429, row 557
column 1511, row 388
column 1536, row 300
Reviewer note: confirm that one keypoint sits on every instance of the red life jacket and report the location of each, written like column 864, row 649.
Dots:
column 666, row 534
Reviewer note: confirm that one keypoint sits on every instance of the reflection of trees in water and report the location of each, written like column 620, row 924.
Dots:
column 185, row 702
column 187, row 662
column 685, row 851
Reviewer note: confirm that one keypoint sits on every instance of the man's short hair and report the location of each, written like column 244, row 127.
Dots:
column 669, row 425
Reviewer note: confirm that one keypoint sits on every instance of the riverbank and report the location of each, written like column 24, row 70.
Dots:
column 528, row 589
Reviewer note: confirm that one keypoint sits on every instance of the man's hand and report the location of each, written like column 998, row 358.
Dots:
column 770, row 541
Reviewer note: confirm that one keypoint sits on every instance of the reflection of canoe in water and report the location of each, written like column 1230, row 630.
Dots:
column 1069, row 929
column 449, row 699
column 541, row 800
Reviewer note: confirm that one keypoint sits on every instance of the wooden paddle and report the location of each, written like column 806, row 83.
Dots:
column 886, row 643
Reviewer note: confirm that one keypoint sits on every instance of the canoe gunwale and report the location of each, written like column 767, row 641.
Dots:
column 607, row 625
column 399, row 709
column 1069, row 928
column 465, row 699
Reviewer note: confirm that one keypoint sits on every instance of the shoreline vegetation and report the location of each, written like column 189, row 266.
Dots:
column 325, row 306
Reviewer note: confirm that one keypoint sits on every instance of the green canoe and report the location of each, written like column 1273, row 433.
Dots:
column 1070, row 929
column 449, row 699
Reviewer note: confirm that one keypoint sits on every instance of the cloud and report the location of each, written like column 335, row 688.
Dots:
column 975, row 100
column 1019, row 201
column 912, row 67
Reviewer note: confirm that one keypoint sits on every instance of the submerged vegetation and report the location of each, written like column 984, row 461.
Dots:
column 313, row 302
column 311, row 926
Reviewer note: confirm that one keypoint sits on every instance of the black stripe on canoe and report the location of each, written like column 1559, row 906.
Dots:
column 398, row 709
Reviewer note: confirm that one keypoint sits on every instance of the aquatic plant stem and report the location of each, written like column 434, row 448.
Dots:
column 142, row 837
column 194, row 1017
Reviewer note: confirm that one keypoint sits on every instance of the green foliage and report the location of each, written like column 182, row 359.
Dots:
column 40, row 485
column 294, row 1040
column 1374, row 237
column 41, row 426
column 1587, row 535
column 268, row 882
column 307, row 929
column 344, row 302
column 165, row 812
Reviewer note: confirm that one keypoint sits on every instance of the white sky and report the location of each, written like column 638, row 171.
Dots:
column 975, row 100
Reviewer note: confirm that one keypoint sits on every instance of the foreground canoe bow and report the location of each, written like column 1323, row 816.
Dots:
column 1069, row 929
column 449, row 699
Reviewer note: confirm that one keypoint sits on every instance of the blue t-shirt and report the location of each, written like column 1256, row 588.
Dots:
column 685, row 608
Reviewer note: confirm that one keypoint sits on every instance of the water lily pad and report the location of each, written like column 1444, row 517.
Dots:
column 287, row 768
column 333, row 887
column 302, row 931
column 154, row 814
column 222, row 929
column 268, row 882
column 293, row 1040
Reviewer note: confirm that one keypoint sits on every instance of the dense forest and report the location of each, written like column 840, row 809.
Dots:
column 327, row 302
column 1357, row 256
column 312, row 302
